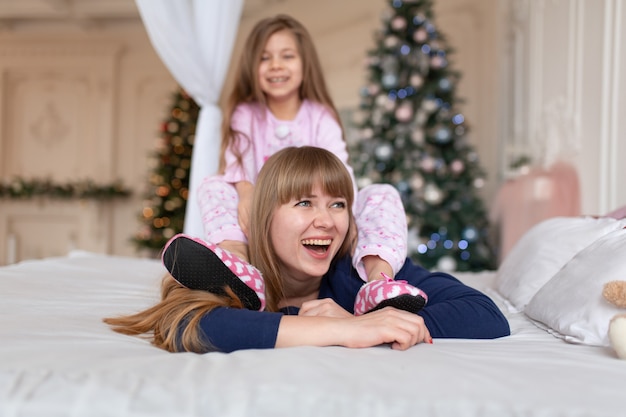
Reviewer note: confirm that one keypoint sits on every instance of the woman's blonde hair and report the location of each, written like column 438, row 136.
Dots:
column 179, row 308
column 289, row 174
column 173, row 323
column 247, row 88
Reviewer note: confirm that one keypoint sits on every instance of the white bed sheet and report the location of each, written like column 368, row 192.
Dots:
column 57, row 358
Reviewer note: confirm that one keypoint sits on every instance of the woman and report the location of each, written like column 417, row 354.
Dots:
column 300, row 239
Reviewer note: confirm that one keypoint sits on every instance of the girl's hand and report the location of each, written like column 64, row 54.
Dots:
column 245, row 190
column 389, row 325
column 243, row 216
column 326, row 307
column 375, row 266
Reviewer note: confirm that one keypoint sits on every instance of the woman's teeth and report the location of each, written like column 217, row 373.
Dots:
column 317, row 242
column 317, row 245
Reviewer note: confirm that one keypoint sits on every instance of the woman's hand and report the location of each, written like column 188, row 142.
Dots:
column 389, row 325
column 324, row 323
column 326, row 307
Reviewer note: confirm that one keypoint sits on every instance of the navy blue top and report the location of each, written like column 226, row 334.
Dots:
column 454, row 310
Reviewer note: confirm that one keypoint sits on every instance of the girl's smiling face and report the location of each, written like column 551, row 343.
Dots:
column 308, row 232
column 280, row 69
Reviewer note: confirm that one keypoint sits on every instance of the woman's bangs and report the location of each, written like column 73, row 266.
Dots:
column 336, row 183
column 332, row 182
column 297, row 185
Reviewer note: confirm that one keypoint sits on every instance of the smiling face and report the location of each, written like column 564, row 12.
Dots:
column 280, row 69
column 307, row 233
column 302, row 199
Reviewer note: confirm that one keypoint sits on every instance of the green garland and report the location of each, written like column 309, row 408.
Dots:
column 19, row 189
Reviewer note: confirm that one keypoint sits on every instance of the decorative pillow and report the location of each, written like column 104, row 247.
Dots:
column 619, row 213
column 543, row 250
column 571, row 303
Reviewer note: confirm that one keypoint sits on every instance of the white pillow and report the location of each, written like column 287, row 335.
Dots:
column 543, row 250
column 571, row 304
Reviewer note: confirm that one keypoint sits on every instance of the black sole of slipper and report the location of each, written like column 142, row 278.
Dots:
column 196, row 267
column 407, row 302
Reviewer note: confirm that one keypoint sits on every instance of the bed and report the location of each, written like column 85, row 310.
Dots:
column 59, row 359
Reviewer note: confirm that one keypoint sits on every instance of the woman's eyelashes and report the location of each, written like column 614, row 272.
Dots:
column 339, row 204
column 304, row 203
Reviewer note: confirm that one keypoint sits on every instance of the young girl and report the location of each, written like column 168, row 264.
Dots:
column 280, row 99
column 299, row 239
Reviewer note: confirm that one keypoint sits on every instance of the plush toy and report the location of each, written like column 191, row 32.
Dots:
column 615, row 293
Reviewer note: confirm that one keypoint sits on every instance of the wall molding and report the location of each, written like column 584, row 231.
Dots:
column 610, row 105
column 70, row 48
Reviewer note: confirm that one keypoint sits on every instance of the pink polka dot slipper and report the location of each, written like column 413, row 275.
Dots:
column 198, row 265
column 388, row 292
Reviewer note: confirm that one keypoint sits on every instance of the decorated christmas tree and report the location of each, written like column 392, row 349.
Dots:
column 411, row 134
column 163, row 212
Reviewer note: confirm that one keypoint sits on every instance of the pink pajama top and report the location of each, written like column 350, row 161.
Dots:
column 378, row 210
column 314, row 125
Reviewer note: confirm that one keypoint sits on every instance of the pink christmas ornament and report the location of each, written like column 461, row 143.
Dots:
column 428, row 164
column 373, row 89
column 420, row 35
column 479, row 183
column 457, row 166
column 404, row 113
column 437, row 62
column 398, row 23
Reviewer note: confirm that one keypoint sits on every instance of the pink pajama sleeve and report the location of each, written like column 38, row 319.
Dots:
column 218, row 202
column 382, row 227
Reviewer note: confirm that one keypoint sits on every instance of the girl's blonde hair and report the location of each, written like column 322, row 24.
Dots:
column 247, row 88
column 289, row 174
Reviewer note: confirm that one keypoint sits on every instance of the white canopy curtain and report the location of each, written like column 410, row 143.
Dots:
column 195, row 39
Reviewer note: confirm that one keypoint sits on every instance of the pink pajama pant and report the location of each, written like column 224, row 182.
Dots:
column 378, row 212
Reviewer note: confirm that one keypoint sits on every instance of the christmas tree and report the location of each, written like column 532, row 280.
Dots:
column 412, row 135
column 163, row 212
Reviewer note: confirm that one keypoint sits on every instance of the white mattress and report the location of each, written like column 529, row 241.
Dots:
column 57, row 358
